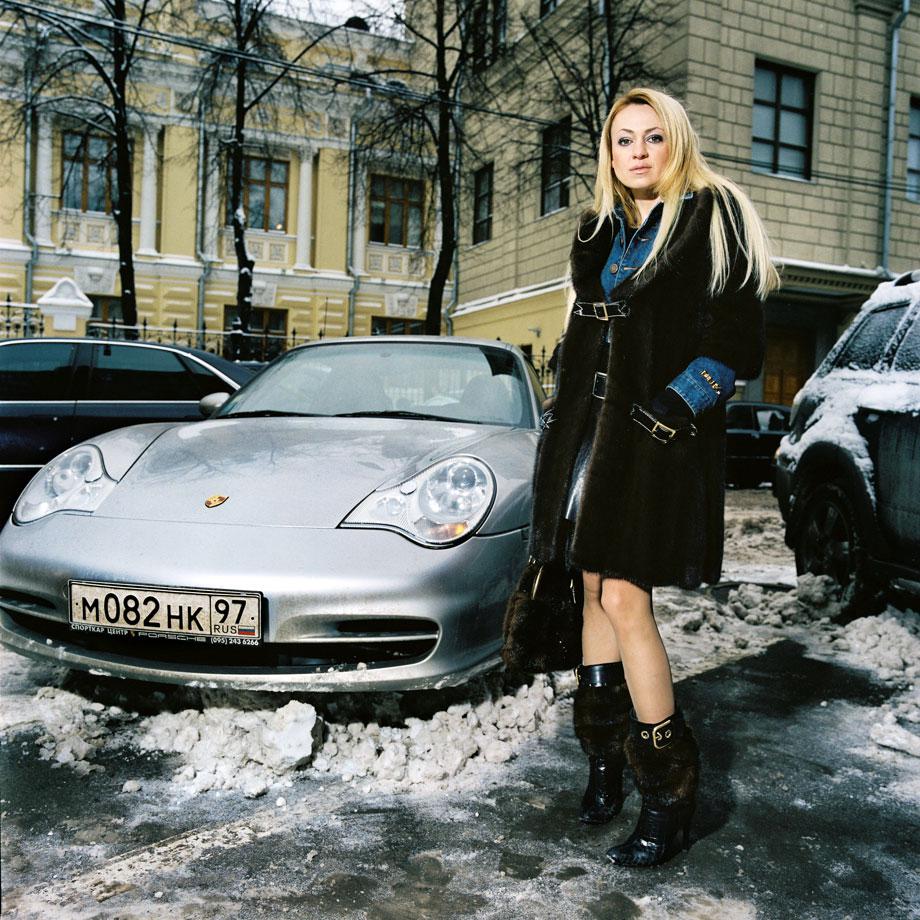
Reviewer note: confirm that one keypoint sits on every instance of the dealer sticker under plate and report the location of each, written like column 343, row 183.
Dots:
column 221, row 617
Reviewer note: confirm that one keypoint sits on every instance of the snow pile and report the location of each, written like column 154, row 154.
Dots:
column 755, row 537
column 233, row 749
column 72, row 728
column 889, row 643
column 815, row 597
column 458, row 739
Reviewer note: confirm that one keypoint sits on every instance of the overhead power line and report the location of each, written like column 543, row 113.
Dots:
column 358, row 82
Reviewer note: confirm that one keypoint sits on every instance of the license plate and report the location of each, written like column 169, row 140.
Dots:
column 216, row 616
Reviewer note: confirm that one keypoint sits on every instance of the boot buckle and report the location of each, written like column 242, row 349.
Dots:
column 661, row 734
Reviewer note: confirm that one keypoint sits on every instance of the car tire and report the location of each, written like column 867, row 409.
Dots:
column 828, row 541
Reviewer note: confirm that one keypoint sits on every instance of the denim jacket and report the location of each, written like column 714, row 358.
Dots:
column 705, row 382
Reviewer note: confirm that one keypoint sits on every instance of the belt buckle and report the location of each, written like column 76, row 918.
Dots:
column 603, row 306
column 600, row 384
column 668, row 435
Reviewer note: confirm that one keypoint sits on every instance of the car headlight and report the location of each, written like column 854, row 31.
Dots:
column 74, row 481
column 438, row 506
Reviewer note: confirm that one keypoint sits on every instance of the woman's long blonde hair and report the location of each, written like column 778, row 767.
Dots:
column 686, row 171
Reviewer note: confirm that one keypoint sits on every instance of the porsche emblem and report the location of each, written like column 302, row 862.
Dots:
column 215, row 500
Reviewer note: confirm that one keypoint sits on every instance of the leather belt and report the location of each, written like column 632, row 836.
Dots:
column 600, row 309
column 658, row 430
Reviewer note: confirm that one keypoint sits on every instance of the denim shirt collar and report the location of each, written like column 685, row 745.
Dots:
column 652, row 220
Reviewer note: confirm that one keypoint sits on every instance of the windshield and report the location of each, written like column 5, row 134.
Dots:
column 469, row 383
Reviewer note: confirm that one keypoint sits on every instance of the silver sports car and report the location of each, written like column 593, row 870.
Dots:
column 352, row 518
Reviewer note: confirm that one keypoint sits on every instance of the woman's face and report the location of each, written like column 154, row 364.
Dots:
column 639, row 149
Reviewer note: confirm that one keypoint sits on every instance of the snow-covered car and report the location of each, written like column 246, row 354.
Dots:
column 352, row 518
column 848, row 474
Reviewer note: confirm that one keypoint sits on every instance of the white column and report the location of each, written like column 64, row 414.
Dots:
column 304, row 210
column 148, row 235
column 43, row 182
column 212, row 221
column 359, row 227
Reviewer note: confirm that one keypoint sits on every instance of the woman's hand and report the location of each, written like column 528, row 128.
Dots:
column 666, row 418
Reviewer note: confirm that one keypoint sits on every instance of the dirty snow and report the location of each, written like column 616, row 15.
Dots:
column 249, row 743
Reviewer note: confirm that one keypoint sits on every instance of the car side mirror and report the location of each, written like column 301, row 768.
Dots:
column 209, row 404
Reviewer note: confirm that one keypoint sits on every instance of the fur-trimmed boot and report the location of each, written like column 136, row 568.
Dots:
column 666, row 762
column 601, row 725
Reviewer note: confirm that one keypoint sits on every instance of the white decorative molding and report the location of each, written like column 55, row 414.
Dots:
column 263, row 294
column 96, row 278
column 65, row 303
column 401, row 304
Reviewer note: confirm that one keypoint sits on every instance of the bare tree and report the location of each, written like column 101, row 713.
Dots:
column 247, row 78
column 582, row 63
column 417, row 121
column 80, row 68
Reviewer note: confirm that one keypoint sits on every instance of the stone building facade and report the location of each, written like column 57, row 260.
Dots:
column 791, row 101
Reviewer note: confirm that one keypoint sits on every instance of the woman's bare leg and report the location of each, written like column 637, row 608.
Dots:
column 628, row 609
column 598, row 640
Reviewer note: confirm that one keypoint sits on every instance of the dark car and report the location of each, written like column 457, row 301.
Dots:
column 753, row 431
column 848, row 473
column 56, row 392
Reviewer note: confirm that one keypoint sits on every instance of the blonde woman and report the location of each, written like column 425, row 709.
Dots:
column 670, row 269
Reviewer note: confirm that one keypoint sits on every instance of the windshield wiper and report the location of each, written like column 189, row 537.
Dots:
column 401, row 413
column 266, row 413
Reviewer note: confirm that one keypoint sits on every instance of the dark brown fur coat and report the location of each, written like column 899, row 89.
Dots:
column 650, row 512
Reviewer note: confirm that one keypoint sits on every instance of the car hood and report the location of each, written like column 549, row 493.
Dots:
column 304, row 472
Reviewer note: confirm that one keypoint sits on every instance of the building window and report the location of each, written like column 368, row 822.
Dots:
column 264, row 193
column 394, row 325
column 489, row 29
column 554, row 184
column 396, row 211
column 913, row 151
column 783, row 106
column 547, row 6
column 89, row 181
column 482, row 204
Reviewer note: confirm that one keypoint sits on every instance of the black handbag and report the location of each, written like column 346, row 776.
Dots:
column 543, row 619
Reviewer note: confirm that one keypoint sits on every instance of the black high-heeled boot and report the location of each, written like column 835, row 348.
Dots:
column 601, row 725
column 666, row 762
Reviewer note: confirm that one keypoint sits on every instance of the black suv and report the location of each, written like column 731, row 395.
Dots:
column 57, row 392
column 848, row 474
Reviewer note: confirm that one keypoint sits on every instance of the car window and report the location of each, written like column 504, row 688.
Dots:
column 36, row 370
column 122, row 372
column 908, row 356
column 772, row 419
column 203, row 380
column 475, row 383
column 738, row 416
column 867, row 344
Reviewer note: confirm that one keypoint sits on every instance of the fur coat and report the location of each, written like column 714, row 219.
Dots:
column 650, row 512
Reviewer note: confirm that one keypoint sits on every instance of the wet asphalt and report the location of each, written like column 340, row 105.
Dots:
column 794, row 821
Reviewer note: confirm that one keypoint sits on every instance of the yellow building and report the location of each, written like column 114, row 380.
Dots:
column 323, row 267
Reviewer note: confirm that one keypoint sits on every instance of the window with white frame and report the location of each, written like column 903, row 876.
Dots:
column 89, row 182
column 396, row 211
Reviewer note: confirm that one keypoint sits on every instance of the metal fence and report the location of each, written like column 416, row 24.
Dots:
column 233, row 344
column 20, row 320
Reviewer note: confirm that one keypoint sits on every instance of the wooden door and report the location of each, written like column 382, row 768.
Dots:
column 788, row 362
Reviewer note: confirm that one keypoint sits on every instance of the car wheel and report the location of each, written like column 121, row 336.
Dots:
column 829, row 542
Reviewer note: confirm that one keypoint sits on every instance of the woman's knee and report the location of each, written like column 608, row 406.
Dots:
column 623, row 602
